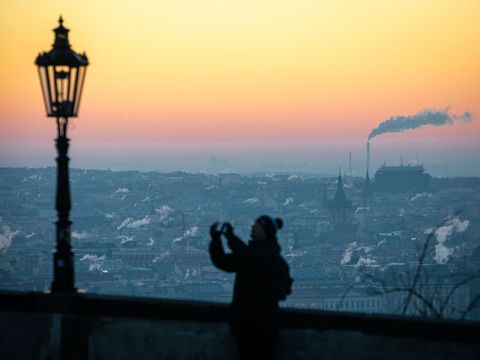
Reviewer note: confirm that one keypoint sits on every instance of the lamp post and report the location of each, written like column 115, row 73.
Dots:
column 62, row 74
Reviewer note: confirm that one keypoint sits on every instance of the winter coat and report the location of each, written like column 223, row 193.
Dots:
column 262, row 279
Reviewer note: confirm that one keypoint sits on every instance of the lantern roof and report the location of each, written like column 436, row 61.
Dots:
column 61, row 53
column 61, row 35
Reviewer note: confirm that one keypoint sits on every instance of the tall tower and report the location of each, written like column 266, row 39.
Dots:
column 368, row 157
column 340, row 208
column 367, row 192
column 350, row 164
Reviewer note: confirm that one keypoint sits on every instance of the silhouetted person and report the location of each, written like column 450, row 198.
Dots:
column 262, row 279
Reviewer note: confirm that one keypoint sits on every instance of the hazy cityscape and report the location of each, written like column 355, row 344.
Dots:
column 402, row 242
column 240, row 180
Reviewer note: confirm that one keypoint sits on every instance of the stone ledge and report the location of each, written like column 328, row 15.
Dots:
column 207, row 312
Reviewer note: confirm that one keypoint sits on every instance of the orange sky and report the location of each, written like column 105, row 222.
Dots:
column 251, row 70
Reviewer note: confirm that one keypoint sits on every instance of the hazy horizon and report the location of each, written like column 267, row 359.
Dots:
column 250, row 86
column 325, row 157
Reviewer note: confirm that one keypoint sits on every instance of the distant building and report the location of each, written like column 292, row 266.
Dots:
column 367, row 192
column 340, row 207
column 401, row 178
column 227, row 179
column 340, row 212
column 325, row 203
column 474, row 268
column 136, row 257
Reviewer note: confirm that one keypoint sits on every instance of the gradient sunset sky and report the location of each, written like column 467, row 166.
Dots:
column 246, row 85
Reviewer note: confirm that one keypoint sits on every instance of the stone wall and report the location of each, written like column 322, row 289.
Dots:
column 39, row 326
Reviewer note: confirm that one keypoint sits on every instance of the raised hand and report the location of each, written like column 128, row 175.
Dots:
column 227, row 229
column 214, row 233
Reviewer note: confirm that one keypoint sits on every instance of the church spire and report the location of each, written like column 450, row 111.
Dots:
column 340, row 199
column 340, row 207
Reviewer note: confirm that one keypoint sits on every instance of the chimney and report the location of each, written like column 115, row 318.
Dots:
column 368, row 157
column 350, row 164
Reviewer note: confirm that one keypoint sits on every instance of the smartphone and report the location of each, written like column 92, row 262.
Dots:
column 223, row 228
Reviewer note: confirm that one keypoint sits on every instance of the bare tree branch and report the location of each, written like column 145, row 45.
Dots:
column 454, row 289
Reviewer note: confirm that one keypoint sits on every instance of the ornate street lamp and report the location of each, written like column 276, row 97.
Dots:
column 62, row 74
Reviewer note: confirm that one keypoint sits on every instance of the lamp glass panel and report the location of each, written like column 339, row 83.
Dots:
column 62, row 75
column 71, row 84
column 79, row 87
column 42, row 73
column 52, row 89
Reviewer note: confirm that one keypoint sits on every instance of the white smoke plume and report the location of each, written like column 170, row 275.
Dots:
column 421, row 195
column 134, row 224
column 124, row 239
column 138, row 223
column 88, row 257
column 163, row 211
column 442, row 252
column 97, row 267
column 96, row 262
column 124, row 223
column 32, row 177
column 353, row 248
column 122, row 190
column 347, row 255
column 288, row 201
column 6, row 235
column 80, row 235
column 193, row 231
column 362, row 261
column 425, row 117
column 452, row 225
column 161, row 257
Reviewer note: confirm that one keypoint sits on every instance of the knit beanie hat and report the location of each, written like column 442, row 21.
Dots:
column 270, row 225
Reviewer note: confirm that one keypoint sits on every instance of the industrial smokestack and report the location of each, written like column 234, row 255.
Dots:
column 368, row 158
column 350, row 164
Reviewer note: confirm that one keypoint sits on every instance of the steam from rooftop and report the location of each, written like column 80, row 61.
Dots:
column 425, row 117
column 6, row 235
